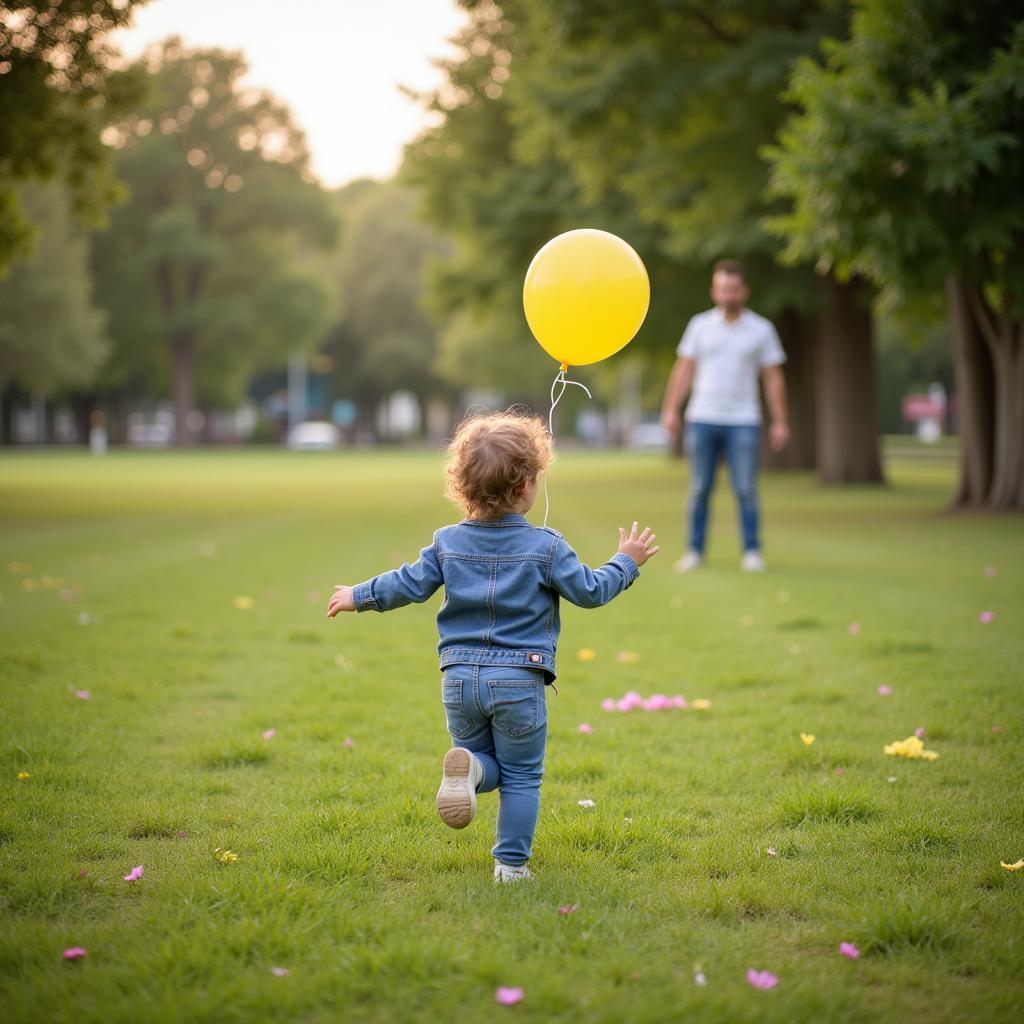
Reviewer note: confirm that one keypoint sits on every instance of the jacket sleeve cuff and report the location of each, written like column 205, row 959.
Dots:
column 629, row 568
column 363, row 599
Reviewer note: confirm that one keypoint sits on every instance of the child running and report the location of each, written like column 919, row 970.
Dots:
column 498, row 624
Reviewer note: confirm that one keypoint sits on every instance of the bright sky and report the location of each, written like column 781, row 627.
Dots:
column 336, row 63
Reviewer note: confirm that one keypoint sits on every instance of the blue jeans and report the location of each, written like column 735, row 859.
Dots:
column 705, row 444
column 500, row 714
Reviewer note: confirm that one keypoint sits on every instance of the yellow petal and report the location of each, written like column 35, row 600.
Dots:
column 701, row 704
column 1012, row 867
column 586, row 654
column 807, row 737
column 243, row 603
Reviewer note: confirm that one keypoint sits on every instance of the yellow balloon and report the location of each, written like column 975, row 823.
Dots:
column 585, row 296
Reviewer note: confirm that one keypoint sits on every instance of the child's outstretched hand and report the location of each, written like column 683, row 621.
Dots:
column 341, row 601
column 639, row 546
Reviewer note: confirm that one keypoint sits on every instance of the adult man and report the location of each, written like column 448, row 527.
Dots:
column 721, row 354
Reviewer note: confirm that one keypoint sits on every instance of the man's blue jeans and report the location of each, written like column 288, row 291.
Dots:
column 706, row 443
column 500, row 714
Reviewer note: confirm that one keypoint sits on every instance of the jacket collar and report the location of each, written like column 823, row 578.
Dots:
column 512, row 519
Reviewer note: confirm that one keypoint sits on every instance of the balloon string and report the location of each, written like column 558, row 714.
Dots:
column 561, row 382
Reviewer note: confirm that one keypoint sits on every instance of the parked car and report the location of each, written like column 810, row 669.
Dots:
column 313, row 436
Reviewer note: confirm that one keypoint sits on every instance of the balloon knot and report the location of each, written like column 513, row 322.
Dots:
column 565, row 366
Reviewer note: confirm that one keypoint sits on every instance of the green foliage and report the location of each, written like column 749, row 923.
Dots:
column 52, row 337
column 903, row 162
column 211, row 245
column 57, row 92
column 385, row 340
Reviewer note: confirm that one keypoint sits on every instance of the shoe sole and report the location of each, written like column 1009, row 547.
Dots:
column 456, row 799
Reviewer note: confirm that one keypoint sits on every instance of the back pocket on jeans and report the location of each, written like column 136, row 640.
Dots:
column 459, row 723
column 516, row 706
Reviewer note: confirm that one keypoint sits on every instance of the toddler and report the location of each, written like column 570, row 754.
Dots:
column 498, row 624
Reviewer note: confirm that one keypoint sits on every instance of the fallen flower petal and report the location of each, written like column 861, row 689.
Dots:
column 807, row 738
column 135, row 874
column 627, row 657
column 508, row 996
column 280, row 972
column 919, row 732
column 986, row 616
column 586, row 803
column 772, row 852
column 608, row 704
column 347, row 741
column 243, row 603
column 24, row 775
column 701, row 704
column 853, row 628
column 585, row 727
column 884, row 691
column 990, row 571
column 849, row 949
column 586, row 654
column 74, row 953
column 269, row 734
column 570, row 909
column 1012, row 867
column 762, row 979
column 82, row 694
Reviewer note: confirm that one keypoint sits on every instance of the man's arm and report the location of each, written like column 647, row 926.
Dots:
column 678, row 388
column 775, row 396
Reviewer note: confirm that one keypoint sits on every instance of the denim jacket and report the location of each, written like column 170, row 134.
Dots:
column 502, row 579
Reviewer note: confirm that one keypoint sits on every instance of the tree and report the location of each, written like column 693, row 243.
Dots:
column 52, row 337
column 384, row 340
column 57, row 94
column 201, row 269
column 903, row 164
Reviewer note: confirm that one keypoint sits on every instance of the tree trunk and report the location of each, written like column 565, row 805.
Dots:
column 1005, row 338
column 975, row 398
column 183, row 375
column 847, row 387
column 796, row 332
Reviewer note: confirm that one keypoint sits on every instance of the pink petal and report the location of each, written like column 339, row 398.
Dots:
column 269, row 734
column 624, row 705
column 347, row 741
column 508, row 996
column 135, row 874
column 570, row 909
column 919, row 731
column 986, row 617
column 840, row 771
column 679, row 700
column 74, row 953
column 280, row 972
column 884, row 691
column 990, row 571
column 762, row 979
column 82, row 694
column 853, row 628
column 608, row 704
column 849, row 949
column 585, row 727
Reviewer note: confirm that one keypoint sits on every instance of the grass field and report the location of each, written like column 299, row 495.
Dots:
column 124, row 578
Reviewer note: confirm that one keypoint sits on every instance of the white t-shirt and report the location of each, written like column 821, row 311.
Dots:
column 729, row 358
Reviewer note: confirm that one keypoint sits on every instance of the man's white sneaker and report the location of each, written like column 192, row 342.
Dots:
column 507, row 873
column 752, row 562
column 690, row 561
column 456, row 799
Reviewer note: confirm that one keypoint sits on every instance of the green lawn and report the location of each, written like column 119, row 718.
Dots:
column 123, row 581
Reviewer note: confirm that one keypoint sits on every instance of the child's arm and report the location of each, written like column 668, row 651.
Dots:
column 389, row 590
column 590, row 588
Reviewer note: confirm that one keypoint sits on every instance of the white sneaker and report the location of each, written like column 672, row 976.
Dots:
column 691, row 560
column 456, row 799
column 752, row 562
column 507, row 873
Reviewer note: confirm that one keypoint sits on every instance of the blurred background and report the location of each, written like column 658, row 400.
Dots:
column 248, row 223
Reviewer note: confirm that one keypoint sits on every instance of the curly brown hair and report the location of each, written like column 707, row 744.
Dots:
column 492, row 458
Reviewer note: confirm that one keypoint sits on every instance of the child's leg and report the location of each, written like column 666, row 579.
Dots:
column 516, row 699
column 468, row 726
